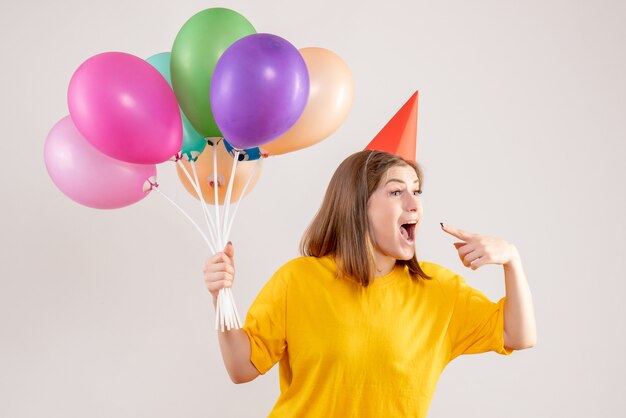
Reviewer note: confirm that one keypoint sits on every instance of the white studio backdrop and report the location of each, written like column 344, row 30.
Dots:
column 520, row 133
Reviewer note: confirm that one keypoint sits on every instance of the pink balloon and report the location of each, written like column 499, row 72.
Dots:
column 89, row 177
column 124, row 107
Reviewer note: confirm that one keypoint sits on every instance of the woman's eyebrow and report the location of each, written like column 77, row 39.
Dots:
column 399, row 181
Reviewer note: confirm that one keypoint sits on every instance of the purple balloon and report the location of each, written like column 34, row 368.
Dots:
column 89, row 177
column 259, row 89
column 124, row 107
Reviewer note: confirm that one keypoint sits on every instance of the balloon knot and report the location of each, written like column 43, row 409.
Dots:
column 150, row 184
column 191, row 155
column 221, row 180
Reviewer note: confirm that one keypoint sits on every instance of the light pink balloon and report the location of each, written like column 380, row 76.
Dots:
column 124, row 107
column 89, row 177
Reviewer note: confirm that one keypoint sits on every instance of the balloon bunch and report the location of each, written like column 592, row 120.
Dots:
column 225, row 96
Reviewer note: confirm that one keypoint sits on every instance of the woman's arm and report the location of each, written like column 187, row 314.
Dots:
column 235, row 348
column 520, row 330
column 219, row 272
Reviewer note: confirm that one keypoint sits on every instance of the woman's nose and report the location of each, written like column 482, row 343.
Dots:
column 413, row 203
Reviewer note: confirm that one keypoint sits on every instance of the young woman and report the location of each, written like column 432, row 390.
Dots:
column 359, row 326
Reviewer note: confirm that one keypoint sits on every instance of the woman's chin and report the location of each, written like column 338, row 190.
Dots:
column 399, row 250
column 405, row 254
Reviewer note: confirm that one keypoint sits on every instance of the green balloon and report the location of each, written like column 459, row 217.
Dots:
column 198, row 46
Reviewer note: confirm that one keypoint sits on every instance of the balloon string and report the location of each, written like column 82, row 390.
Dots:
column 217, row 313
column 229, row 192
column 182, row 166
column 205, row 209
column 196, row 185
column 226, row 315
column 217, row 202
column 231, row 310
column 227, row 309
column 239, row 324
column 232, row 320
column 243, row 192
column 187, row 216
column 224, row 311
column 220, row 302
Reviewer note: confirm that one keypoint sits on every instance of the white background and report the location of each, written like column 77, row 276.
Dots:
column 521, row 135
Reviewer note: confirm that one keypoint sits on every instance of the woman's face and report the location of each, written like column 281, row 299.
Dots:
column 394, row 212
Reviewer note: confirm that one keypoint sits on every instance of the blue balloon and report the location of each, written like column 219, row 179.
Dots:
column 249, row 154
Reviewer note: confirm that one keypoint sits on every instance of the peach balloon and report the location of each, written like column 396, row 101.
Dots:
column 204, row 166
column 330, row 98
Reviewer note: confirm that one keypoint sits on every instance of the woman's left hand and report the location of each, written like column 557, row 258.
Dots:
column 477, row 250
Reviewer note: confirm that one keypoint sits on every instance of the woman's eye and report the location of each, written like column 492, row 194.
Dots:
column 417, row 192
column 396, row 193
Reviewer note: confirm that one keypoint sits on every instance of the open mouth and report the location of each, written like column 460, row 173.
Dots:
column 408, row 231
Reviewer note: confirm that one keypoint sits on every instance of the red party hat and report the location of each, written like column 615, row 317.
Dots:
column 399, row 136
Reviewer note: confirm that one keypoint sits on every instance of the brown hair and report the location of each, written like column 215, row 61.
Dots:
column 340, row 227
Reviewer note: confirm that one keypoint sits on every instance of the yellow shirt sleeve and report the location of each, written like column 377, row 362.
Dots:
column 476, row 324
column 265, row 324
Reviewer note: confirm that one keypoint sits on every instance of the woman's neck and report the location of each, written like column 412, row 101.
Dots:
column 384, row 264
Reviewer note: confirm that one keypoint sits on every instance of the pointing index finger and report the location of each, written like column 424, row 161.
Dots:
column 459, row 233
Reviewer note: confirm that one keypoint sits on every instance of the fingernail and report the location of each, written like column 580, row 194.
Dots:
column 441, row 223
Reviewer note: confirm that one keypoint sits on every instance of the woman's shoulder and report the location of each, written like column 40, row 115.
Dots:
column 439, row 273
column 306, row 264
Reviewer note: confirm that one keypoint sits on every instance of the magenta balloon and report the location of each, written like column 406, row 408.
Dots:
column 89, row 177
column 259, row 89
column 124, row 107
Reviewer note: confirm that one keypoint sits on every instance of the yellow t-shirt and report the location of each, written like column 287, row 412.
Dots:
column 348, row 351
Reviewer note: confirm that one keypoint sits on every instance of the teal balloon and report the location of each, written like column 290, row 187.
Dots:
column 162, row 64
column 193, row 142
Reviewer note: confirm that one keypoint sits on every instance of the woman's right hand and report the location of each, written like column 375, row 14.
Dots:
column 219, row 271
